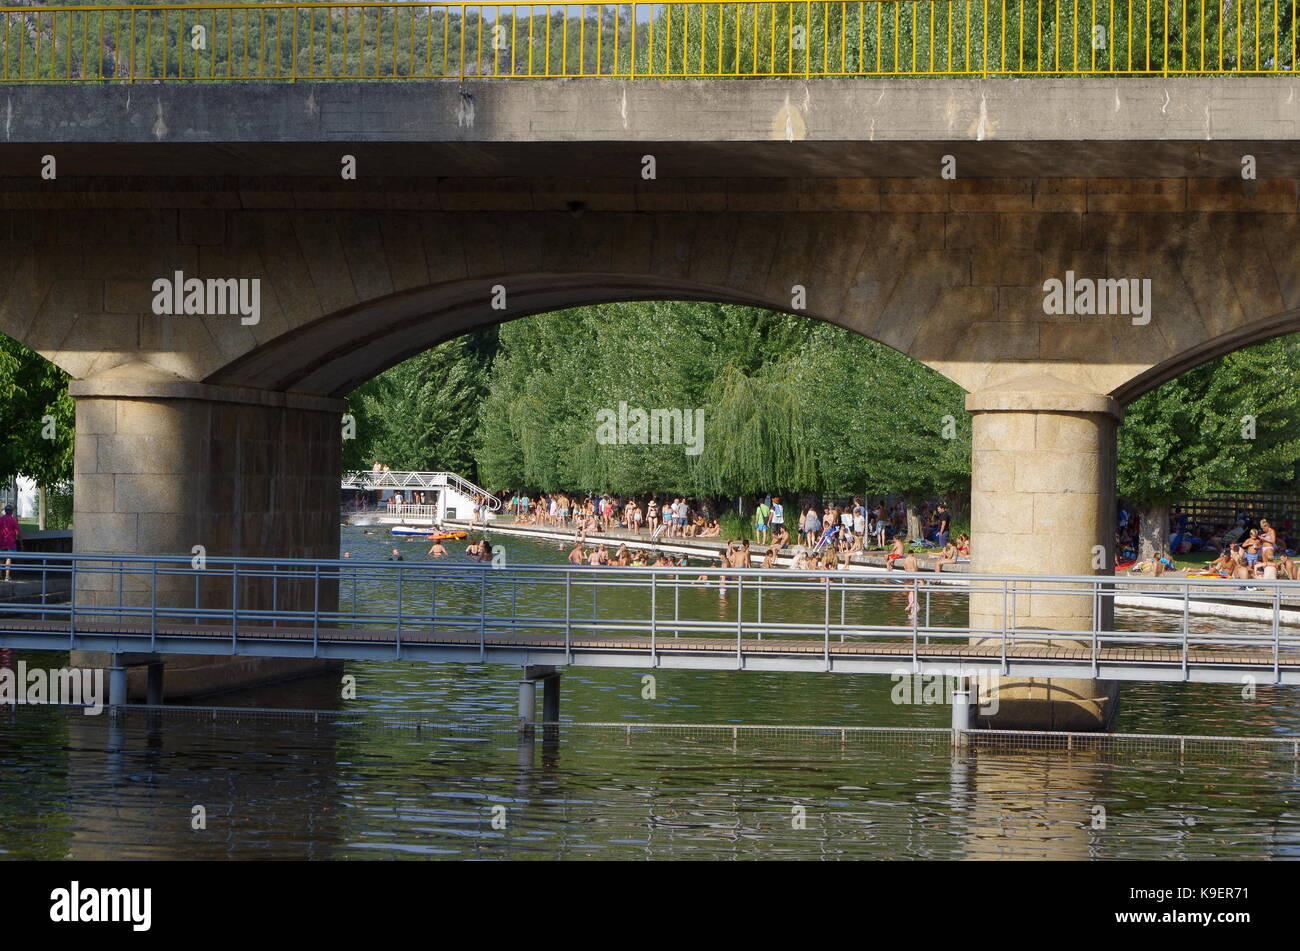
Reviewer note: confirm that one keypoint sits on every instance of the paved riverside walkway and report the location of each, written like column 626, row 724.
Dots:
column 1227, row 603
column 692, row 546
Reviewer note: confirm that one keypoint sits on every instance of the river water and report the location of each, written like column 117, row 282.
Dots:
column 361, row 783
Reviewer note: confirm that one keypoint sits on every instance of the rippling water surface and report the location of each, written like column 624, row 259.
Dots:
column 463, row 785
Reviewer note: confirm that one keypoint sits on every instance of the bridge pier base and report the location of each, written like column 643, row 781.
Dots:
column 1042, row 502
column 165, row 466
column 528, row 697
column 154, row 690
column 117, row 682
column 551, row 699
column 961, row 718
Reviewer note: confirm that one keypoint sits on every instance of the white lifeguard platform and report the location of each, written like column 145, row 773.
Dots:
column 447, row 496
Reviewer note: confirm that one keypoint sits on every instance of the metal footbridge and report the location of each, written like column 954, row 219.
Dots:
column 646, row 618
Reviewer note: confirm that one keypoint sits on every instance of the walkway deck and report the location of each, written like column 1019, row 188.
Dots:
column 612, row 649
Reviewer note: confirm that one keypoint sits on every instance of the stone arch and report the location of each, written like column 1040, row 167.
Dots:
column 331, row 356
column 1256, row 332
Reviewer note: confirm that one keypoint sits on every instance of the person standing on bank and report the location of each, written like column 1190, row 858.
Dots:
column 761, row 515
column 11, row 538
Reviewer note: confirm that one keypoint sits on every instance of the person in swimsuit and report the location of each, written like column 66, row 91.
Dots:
column 896, row 552
column 913, row 606
column 769, row 559
column 437, row 551
column 1251, row 547
column 780, row 537
column 1267, row 537
column 741, row 559
column 947, row 557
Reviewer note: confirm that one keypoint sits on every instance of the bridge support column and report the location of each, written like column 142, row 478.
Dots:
column 116, row 681
column 960, row 714
column 528, row 696
column 1043, row 502
column 551, row 699
column 154, row 694
column 164, row 465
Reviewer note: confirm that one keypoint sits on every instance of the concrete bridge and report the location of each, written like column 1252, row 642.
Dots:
column 475, row 202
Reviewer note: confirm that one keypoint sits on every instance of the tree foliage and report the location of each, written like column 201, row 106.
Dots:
column 422, row 415
column 34, row 405
column 1230, row 424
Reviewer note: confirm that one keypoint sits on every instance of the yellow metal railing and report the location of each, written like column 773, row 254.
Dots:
column 689, row 39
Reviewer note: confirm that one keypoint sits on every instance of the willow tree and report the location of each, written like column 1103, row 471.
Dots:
column 757, row 436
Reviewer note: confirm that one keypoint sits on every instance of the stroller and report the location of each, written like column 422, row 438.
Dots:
column 828, row 536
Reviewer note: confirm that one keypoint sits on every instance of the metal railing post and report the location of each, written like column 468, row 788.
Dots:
column 1187, row 607
column 568, row 616
column 1096, row 625
column 740, row 620
column 654, row 590
column 234, row 606
column 153, row 609
column 397, row 638
column 1277, row 633
column 315, row 615
column 72, row 606
column 826, row 645
column 1008, row 623
column 482, row 614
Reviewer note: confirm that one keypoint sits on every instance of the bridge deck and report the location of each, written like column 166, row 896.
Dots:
column 874, row 655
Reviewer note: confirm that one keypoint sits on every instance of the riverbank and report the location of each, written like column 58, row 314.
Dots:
column 708, row 548
column 1232, row 609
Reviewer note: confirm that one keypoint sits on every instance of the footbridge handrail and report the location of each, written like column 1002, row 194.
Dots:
column 768, row 618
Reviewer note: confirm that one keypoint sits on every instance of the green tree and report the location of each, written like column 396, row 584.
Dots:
column 37, row 417
column 1230, row 424
column 422, row 415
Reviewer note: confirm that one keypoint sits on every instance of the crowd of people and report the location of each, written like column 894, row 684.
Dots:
column 675, row 518
column 1245, row 547
column 825, row 537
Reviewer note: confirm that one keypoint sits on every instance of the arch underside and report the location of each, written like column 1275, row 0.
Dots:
column 335, row 354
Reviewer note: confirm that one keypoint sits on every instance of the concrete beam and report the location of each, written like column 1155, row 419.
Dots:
column 697, row 128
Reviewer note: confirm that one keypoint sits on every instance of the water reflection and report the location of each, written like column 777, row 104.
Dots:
column 288, row 787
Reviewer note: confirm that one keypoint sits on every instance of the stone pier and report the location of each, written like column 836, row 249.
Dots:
column 1043, row 502
column 165, row 465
